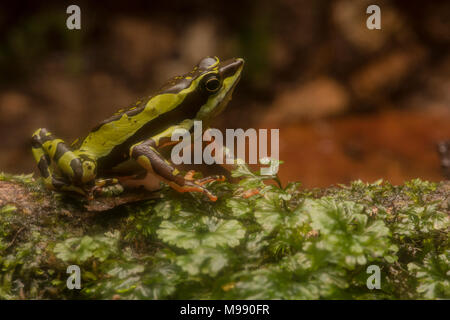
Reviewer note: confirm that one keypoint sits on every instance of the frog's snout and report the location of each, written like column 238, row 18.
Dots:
column 231, row 67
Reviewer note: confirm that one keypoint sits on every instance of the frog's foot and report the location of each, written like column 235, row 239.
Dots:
column 191, row 173
column 206, row 180
column 190, row 186
column 250, row 193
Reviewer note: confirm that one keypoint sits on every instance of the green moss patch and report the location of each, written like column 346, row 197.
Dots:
column 282, row 243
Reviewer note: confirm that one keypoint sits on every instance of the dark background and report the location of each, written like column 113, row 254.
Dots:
column 351, row 103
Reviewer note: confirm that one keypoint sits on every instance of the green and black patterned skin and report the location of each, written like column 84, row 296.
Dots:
column 129, row 141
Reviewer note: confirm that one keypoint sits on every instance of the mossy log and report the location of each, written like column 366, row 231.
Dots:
column 277, row 243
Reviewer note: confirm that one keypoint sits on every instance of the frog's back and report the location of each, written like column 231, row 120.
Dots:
column 179, row 99
column 110, row 141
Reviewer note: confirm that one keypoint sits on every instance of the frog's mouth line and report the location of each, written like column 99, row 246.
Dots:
column 231, row 72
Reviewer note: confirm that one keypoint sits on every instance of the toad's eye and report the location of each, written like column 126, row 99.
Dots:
column 212, row 84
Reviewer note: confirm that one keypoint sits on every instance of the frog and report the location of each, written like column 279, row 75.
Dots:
column 128, row 144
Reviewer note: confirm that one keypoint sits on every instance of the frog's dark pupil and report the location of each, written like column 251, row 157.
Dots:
column 212, row 84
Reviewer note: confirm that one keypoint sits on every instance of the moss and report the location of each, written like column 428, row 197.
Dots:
column 283, row 243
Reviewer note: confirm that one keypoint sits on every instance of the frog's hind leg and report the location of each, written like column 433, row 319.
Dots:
column 46, row 149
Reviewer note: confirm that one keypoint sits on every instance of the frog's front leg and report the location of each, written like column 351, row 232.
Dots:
column 148, row 157
column 75, row 171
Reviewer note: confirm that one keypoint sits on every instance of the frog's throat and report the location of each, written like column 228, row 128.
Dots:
column 217, row 103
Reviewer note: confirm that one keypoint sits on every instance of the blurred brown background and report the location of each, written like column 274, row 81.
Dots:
column 351, row 103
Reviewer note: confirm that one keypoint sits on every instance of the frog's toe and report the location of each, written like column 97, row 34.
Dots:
column 206, row 180
column 190, row 175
